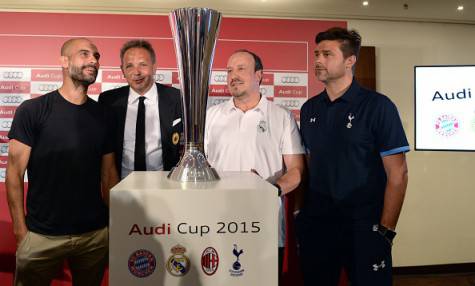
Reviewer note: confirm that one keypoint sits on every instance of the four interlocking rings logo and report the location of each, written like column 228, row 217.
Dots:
column 3, row 149
column 12, row 75
column 6, row 123
column 11, row 99
column 47, row 87
column 220, row 78
column 290, row 103
column 290, row 79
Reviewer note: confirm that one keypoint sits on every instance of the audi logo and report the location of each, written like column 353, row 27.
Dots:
column 4, row 149
column 11, row 99
column 12, row 75
column 220, row 78
column 48, row 87
column 290, row 103
column 159, row 77
column 6, row 124
column 290, row 79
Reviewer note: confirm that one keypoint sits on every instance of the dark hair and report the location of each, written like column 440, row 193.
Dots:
column 257, row 60
column 350, row 40
column 140, row 43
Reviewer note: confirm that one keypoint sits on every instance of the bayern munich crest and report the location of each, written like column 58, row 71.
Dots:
column 209, row 261
column 178, row 263
column 446, row 125
column 142, row 263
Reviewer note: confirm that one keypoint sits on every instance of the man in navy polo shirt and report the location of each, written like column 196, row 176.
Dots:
column 358, row 174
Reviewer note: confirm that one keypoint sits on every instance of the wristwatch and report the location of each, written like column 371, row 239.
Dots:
column 386, row 233
column 279, row 189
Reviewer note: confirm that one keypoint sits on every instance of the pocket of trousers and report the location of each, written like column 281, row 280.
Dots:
column 22, row 243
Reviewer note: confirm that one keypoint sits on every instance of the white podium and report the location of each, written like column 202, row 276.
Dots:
column 168, row 233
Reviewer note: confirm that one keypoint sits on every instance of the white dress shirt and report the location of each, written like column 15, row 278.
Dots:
column 256, row 139
column 153, row 143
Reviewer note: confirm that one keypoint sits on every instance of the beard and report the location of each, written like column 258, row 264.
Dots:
column 78, row 76
column 325, row 76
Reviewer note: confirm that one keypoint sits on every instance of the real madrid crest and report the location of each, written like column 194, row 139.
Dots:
column 178, row 263
column 175, row 138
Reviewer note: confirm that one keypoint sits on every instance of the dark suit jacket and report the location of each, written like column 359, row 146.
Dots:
column 169, row 105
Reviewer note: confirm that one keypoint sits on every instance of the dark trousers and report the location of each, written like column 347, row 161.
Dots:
column 326, row 246
column 281, row 263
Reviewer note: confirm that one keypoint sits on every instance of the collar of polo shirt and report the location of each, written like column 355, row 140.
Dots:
column 350, row 95
column 260, row 107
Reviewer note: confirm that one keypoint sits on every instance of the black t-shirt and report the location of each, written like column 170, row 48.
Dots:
column 64, row 169
column 346, row 140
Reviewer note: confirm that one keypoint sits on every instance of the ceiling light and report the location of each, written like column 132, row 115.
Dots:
column 460, row 8
column 365, row 3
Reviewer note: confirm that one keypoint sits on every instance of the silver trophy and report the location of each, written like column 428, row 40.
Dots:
column 195, row 31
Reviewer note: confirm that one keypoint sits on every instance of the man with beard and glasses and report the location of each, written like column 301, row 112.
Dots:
column 251, row 133
column 356, row 148
column 62, row 139
column 147, row 114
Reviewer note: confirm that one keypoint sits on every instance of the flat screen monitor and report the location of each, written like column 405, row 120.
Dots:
column 445, row 108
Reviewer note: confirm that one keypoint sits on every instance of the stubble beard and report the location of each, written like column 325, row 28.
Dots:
column 79, row 78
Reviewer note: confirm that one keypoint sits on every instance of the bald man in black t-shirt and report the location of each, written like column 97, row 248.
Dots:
column 62, row 139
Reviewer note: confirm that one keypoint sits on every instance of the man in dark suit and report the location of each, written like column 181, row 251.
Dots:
column 148, row 114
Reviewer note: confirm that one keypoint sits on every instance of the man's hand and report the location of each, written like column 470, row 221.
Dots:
column 20, row 235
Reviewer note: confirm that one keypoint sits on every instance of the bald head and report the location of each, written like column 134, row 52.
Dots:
column 67, row 47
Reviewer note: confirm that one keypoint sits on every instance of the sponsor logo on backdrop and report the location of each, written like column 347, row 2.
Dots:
column 178, row 263
column 263, row 90
column 289, row 104
column 12, row 75
column 11, row 99
column 220, row 78
column 290, row 79
column 46, row 75
column 47, row 87
column 142, row 263
column 159, row 77
column 236, row 269
column 4, row 137
column 5, row 111
column 3, row 149
column 209, row 261
column 446, row 125
column 5, row 124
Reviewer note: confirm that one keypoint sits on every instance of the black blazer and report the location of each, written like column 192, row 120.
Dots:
column 169, row 105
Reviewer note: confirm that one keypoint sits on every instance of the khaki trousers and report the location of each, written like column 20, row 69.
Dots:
column 39, row 258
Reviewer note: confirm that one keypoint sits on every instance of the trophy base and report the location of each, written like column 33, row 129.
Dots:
column 193, row 167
